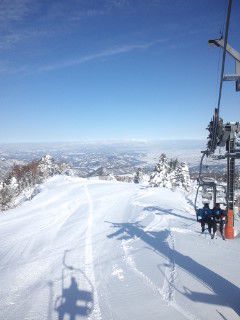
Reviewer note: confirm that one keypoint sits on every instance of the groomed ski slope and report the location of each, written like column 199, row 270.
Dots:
column 107, row 250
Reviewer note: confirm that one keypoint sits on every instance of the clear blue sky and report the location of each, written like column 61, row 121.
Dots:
column 112, row 69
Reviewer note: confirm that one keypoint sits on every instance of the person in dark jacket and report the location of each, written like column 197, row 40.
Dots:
column 219, row 218
column 203, row 216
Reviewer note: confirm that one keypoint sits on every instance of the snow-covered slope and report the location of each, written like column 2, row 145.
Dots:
column 109, row 250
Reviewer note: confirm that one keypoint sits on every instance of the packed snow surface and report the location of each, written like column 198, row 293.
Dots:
column 108, row 250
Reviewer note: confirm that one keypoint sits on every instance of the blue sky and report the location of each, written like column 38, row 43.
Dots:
column 112, row 69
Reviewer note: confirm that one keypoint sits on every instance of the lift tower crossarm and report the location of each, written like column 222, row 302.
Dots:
column 220, row 43
column 235, row 55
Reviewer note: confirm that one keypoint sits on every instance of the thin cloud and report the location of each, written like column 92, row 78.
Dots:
column 27, row 69
column 103, row 54
column 14, row 10
column 11, row 39
column 11, row 70
column 13, row 17
column 81, row 9
column 15, row 14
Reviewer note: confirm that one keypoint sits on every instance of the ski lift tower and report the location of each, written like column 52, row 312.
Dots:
column 225, row 135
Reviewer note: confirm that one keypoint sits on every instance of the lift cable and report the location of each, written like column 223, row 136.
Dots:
column 199, row 178
column 224, row 55
column 217, row 110
column 212, row 146
column 221, row 30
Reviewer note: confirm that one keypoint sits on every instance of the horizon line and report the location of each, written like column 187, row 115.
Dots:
column 102, row 141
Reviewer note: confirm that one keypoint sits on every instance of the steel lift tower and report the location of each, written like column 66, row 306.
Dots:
column 225, row 134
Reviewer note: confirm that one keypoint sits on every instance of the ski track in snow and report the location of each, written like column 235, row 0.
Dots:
column 64, row 216
column 166, row 293
column 170, row 274
column 168, row 289
column 128, row 258
column 89, row 267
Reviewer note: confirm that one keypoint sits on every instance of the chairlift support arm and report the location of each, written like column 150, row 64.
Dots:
column 220, row 43
column 235, row 55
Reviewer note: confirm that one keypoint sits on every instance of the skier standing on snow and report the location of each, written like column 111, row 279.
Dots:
column 219, row 218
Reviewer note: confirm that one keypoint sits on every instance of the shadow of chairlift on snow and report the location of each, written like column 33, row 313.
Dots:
column 73, row 302
column 224, row 293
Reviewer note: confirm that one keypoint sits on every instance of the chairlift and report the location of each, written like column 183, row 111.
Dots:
column 224, row 134
column 207, row 195
column 74, row 301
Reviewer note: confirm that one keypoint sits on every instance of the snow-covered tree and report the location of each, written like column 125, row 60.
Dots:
column 26, row 177
column 141, row 177
column 170, row 174
column 102, row 173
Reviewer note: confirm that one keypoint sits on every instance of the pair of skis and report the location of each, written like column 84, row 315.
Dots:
column 214, row 236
